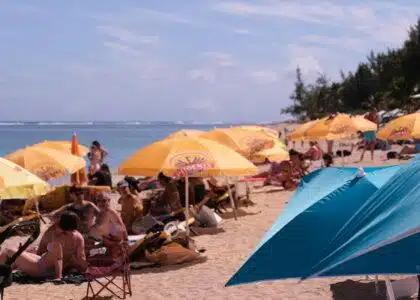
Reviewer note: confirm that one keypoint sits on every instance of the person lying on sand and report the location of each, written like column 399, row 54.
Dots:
column 286, row 173
column 410, row 149
column 65, row 252
column 131, row 205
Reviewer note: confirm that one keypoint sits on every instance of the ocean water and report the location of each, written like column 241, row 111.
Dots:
column 120, row 138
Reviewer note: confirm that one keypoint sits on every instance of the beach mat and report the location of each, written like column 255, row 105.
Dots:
column 20, row 277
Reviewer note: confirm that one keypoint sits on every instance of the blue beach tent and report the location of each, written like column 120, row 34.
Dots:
column 382, row 237
column 300, row 238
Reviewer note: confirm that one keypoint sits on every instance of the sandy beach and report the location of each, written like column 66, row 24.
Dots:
column 226, row 251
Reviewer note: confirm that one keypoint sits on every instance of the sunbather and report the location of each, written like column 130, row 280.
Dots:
column 66, row 251
column 286, row 173
column 109, row 225
column 85, row 210
column 410, row 149
column 131, row 205
column 167, row 204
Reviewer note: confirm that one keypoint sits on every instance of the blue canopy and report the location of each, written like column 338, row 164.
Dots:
column 323, row 203
column 382, row 236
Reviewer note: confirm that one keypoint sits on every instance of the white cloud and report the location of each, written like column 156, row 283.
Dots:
column 264, row 76
column 242, row 31
column 348, row 43
column 126, row 36
column 206, row 75
column 383, row 22
column 122, row 48
column 220, row 59
column 306, row 58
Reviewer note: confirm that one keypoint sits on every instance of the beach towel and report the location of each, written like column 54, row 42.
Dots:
column 172, row 254
column 19, row 277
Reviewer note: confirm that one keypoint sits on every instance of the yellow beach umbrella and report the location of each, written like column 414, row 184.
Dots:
column 271, row 132
column 300, row 132
column 243, row 141
column 185, row 133
column 65, row 146
column 334, row 127
column 276, row 153
column 363, row 124
column 402, row 128
column 181, row 157
column 18, row 183
column 46, row 163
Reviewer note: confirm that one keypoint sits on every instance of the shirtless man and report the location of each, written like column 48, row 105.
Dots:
column 131, row 206
column 369, row 137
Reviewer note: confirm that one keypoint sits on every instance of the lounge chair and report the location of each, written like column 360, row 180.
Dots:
column 29, row 225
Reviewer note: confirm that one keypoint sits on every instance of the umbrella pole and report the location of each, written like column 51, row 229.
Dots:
column 232, row 203
column 187, row 207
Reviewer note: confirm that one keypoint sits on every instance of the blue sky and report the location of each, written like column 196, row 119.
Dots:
column 207, row 60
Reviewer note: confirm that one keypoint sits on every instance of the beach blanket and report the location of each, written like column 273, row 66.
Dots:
column 20, row 277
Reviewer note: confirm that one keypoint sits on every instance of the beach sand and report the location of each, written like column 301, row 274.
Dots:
column 226, row 252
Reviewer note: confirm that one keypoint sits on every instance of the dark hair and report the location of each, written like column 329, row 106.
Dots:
column 293, row 152
column 162, row 177
column 132, row 183
column 69, row 221
column 96, row 143
column 328, row 159
column 105, row 168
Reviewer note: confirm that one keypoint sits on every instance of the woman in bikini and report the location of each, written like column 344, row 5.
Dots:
column 66, row 251
column 109, row 225
column 85, row 210
column 96, row 156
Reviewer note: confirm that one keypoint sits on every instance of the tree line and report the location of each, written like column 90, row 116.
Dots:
column 386, row 80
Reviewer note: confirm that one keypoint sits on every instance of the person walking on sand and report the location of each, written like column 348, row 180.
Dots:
column 369, row 137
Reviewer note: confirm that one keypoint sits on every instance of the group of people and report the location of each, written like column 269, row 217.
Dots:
column 81, row 223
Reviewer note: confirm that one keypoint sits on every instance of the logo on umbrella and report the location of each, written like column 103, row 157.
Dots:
column 190, row 164
column 399, row 132
column 340, row 129
column 255, row 145
column 48, row 172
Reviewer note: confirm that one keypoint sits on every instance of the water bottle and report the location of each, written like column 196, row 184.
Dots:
column 360, row 172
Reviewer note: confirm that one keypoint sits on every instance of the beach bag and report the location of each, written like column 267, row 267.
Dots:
column 172, row 254
column 392, row 155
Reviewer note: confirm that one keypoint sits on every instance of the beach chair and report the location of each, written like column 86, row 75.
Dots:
column 403, row 288
column 108, row 273
column 23, row 226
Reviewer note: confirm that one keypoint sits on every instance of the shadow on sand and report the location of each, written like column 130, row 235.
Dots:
column 351, row 290
column 239, row 213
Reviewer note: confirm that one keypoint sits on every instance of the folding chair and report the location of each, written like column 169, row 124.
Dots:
column 106, row 272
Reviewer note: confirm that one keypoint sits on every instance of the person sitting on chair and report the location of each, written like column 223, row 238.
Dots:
column 85, row 210
column 131, row 205
column 109, row 225
column 167, row 204
column 66, row 251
